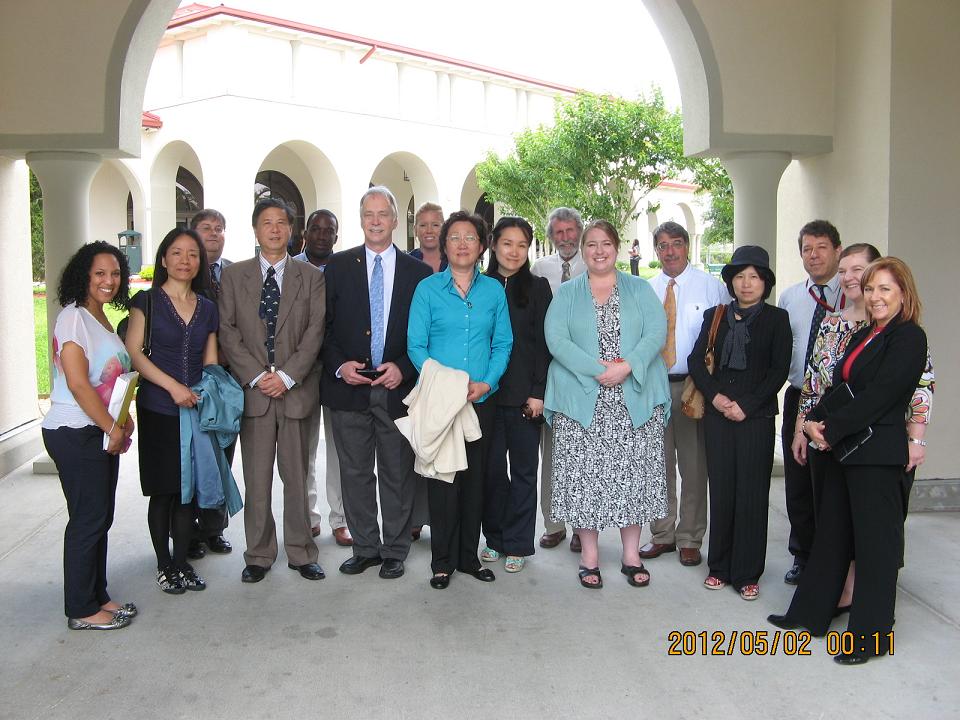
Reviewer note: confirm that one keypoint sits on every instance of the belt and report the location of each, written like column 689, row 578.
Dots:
column 677, row 377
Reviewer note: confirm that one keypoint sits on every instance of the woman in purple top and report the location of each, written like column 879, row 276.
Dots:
column 183, row 338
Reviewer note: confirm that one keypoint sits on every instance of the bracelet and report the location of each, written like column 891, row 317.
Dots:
column 112, row 427
column 917, row 441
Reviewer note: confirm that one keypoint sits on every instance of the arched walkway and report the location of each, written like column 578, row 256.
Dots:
column 409, row 179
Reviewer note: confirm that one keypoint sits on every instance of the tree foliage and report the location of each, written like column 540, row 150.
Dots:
column 711, row 177
column 36, row 228
column 602, row 156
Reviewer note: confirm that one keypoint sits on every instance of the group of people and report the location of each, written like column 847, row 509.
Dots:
column 436, row 380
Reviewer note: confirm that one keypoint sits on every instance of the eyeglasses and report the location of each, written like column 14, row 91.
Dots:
column 210, row 228
column 675, row 244
column 463, row 239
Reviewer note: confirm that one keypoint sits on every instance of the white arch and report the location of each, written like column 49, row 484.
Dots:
column 162, row 212
column 408, row 176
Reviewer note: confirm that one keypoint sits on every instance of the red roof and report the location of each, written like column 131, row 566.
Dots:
column 192, row 13
column 149, row 120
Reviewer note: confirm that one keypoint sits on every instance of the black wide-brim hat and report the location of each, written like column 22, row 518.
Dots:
column 744, row 256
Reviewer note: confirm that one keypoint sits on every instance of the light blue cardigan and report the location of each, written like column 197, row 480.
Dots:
column 571, row 331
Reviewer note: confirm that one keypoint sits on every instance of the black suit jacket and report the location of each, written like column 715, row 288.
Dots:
column 883, row 379
column 768, row 363
column 348, row 328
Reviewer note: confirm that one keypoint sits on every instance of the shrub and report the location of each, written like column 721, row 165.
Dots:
column 655, row 264
column 146, row 272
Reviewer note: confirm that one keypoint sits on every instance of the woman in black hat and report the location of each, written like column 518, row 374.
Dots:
column 751, row 360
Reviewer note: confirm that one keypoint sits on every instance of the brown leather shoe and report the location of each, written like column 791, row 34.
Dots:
column 551, row 540
column 575, row 543
column 654, row 550
column 315, row 530
column 690, row 557
column 342, row 536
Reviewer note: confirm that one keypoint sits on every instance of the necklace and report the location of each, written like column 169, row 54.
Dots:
column 461, row 289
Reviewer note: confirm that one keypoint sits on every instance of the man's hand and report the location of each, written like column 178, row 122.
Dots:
column 391, row 377
column 272, row 385
column 476, row 390
column 348, row 371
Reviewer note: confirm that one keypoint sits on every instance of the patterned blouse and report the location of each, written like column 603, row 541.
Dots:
column 831, row 344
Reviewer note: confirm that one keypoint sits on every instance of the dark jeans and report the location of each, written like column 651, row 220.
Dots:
column 510, row 500
column 88, row 476
column 210, row 522
column 799, row 485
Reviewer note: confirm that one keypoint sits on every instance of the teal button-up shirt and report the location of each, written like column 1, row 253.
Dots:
column 471, row 334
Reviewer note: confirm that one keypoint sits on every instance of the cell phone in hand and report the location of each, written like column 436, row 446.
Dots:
column 370, row 373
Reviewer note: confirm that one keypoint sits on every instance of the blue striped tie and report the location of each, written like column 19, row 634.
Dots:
column 376, row 312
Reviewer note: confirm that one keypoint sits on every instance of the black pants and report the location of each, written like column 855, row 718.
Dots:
column 210, row 522
column 456, row 509
column 800, row 486
column 88, row 476
column 861, row 515
column 739, row 463
column 510, row 500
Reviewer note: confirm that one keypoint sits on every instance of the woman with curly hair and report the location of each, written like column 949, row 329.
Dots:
column 88, row 357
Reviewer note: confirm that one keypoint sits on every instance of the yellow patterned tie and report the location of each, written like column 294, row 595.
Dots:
column 669, row 352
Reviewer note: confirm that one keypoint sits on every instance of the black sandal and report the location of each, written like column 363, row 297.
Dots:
column 586, row 572
column 631, row 570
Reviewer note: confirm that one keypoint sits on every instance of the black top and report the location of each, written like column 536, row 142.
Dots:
column 348, row 328
column 526, row 374
column 768, row 363
column 883, row 379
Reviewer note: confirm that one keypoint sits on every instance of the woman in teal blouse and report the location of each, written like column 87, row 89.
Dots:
column 459, row 317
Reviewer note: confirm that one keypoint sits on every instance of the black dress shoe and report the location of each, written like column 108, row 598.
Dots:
column 357, row 564
column 793, row 574
column 483, row 574
column 440, row 582
column 392, row 569
column 852, row 659
column 219, row 545
column 310, row 571
column 783, row 622
column 253, row 573
column 196, row 550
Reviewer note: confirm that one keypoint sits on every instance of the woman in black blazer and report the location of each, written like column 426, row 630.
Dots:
column 865, row 493
column 752, row 358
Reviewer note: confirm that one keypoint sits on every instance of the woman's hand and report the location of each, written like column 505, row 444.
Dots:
column 721, row 402
column 815, row 433
column 799, row 448
column 615, row 373
column 734, row 412
column 535, row 407
column 118, row 438
column 183, row 396
column 476, row 390
column 916, row 454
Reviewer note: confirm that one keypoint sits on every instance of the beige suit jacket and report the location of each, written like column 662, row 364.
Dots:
column 299, row 336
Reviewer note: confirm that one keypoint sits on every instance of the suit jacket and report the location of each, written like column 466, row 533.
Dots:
column 300, row 325
column 348, row 327
column 768, row 363
column 883, row 379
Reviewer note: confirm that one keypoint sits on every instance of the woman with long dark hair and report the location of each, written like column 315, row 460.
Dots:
column 183, row 327
column 510, row 499
column 88, row 357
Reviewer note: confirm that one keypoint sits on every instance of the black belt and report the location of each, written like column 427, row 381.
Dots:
column 677, row 377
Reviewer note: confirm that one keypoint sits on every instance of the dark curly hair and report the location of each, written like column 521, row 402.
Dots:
column 479, row 224
column 201, row 281
column 75, row 279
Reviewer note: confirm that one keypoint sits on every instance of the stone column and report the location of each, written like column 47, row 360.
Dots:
column 65, row 179
column 756, row 177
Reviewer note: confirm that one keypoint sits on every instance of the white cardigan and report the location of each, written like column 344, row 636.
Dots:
column 440, row 421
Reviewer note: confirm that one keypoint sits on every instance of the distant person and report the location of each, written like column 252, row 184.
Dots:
column 427, row 223
column 564, row 227
column 88, row 357
column 635, row 258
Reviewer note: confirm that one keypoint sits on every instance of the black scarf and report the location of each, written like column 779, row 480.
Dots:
column 734, row 352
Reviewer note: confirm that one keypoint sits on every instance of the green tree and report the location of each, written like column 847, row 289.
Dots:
column 36, row 228
column 602, row 156
column 712, row 178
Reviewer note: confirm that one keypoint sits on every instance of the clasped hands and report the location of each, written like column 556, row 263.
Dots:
column 730, row 409
column 616, row 372
column 391, row 378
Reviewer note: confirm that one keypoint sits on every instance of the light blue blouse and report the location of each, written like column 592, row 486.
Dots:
column 471, row 334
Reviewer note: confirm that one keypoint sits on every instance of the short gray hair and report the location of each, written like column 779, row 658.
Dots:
column 564, row 214
column 383, row 191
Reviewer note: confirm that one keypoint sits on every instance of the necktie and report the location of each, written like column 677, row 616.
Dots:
column 214, row 279
column 669, row 352
column 376, row 312
column 565, row 272
column 269, row 305
column 818, row 316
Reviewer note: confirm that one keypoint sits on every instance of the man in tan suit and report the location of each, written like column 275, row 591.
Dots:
column 271, row 329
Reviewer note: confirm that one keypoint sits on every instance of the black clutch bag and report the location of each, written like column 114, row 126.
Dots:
column 837, row 398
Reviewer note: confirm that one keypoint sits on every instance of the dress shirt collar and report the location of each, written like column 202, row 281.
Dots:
column 277, row 268
column 387, row 255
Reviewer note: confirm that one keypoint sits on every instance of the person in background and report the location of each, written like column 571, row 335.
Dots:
column 510, row 501
column 88, row 357
column 564, row 228
column 427, row 223
column 635, row 257
column 608, row 400
column 183, row 338
column 752, row 358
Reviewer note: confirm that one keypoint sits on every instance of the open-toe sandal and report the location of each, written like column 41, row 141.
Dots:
column 586, row 572
column 631, row 571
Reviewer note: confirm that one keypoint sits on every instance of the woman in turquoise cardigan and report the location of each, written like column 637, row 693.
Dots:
column 607, row 399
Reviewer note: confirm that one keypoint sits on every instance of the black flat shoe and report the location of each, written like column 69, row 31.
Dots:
column 440, row 582
column 391, row 569
column 483, row 574
column 357, row 564
column 632, row 570
column 783, row 622
column 309, row 571
column 219, row 545
column 196, row 550
column 793, row 574
column 852, row 659
column 253, row 573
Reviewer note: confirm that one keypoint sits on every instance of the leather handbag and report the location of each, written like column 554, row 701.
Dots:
column 692, row 402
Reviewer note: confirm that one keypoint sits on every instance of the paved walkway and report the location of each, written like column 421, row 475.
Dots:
column 533, row 645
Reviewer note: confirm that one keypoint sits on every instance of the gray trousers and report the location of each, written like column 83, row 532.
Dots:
column 334, row 500
column 683, row 443
column 546, row 480
column 362, row 437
